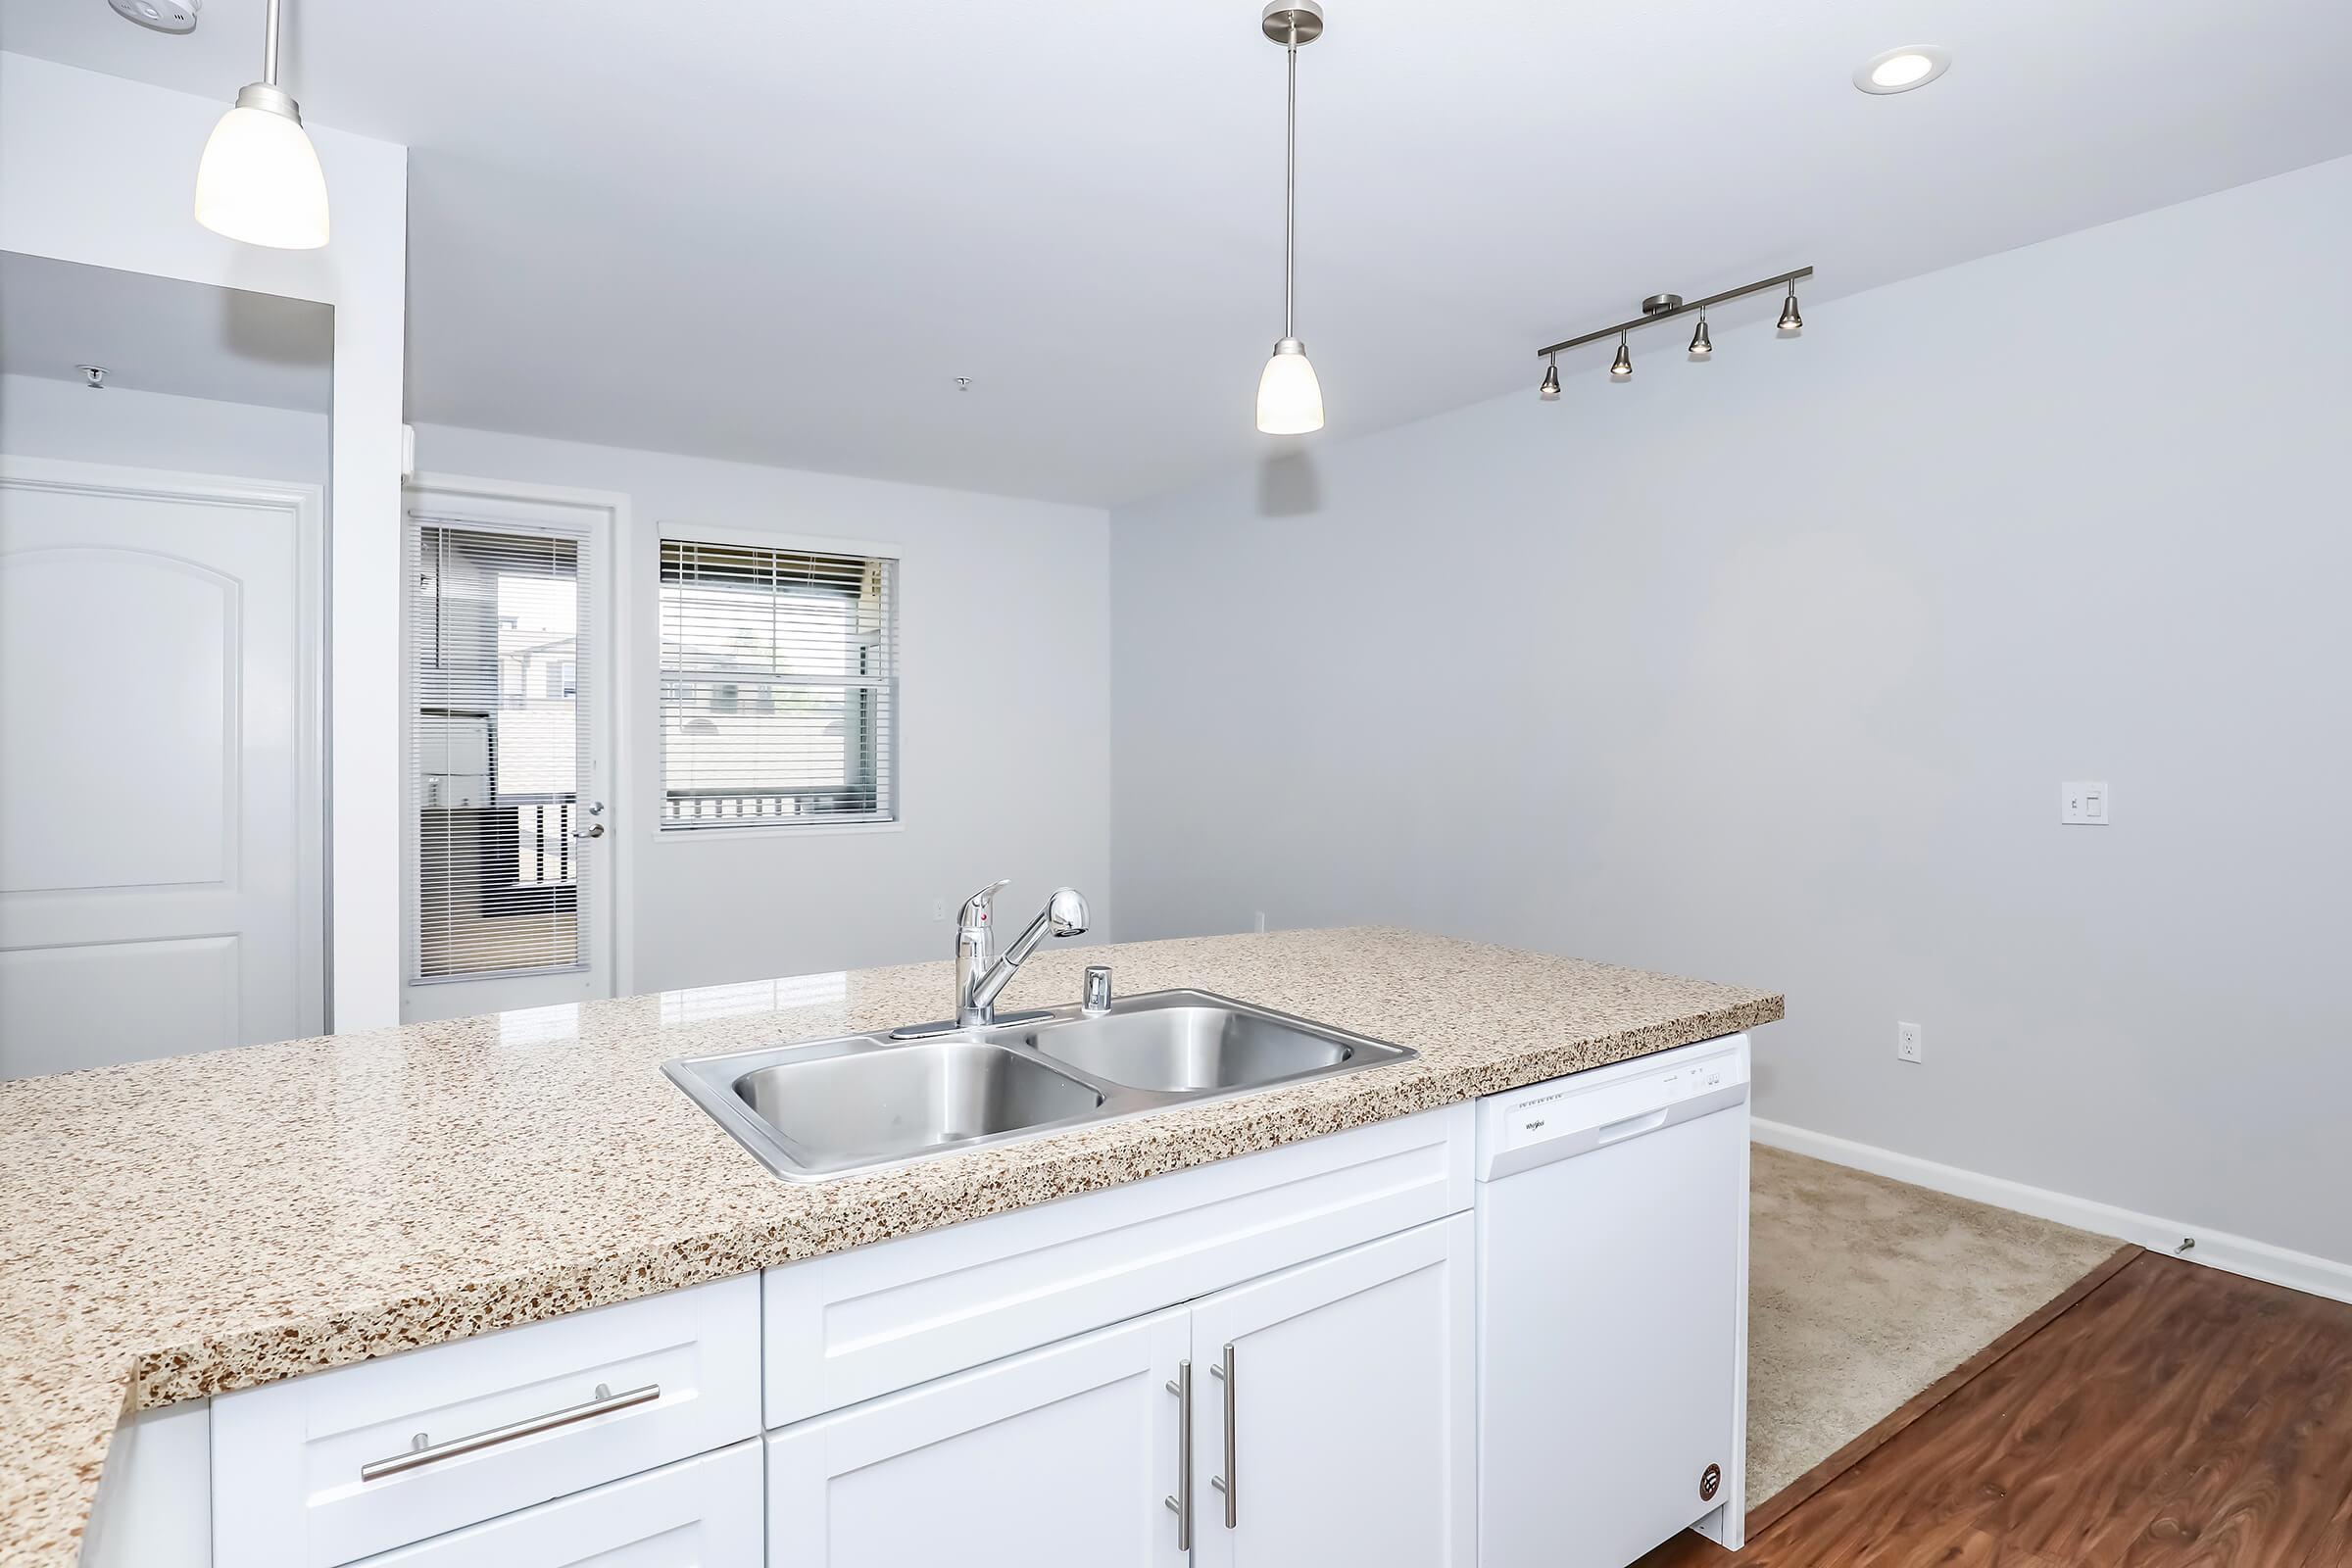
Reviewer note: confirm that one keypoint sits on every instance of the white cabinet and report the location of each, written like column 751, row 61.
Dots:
column 1335, row 1415
column 877, row 1319
column 327, row 1469
column 698, row 1513
column 1061, row 1458
column 1347, row 1438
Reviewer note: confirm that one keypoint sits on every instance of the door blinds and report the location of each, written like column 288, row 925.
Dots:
column 498, row 743
column 779, row 687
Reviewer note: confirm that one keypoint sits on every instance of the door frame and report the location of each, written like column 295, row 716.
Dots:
column 602, row 517
column 304, row 506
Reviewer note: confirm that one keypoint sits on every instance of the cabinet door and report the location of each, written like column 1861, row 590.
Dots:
column 1062, row 1458
column 1336, row 1410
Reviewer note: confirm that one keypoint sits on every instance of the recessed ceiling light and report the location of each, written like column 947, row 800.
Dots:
column 1914, row 65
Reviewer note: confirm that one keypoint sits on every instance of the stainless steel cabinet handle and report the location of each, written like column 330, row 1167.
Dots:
column 1182, row 1502
column 428, row 1453
column 1227, row 1483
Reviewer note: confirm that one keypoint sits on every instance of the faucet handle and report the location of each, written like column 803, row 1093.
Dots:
column 980, row 905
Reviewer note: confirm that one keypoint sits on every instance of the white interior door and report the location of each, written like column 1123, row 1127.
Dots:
column 509, row 824
column 1336, row 1423
column 159, row 761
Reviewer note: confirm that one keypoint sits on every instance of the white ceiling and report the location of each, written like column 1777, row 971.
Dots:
column 158, row 334
column 777, row 233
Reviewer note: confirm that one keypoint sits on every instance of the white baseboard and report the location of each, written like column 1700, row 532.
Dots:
column 2238, row 1254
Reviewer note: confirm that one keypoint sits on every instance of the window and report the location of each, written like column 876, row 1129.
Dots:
column 779, row 687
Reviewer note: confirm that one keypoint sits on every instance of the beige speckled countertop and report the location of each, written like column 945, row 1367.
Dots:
column 187, row 1227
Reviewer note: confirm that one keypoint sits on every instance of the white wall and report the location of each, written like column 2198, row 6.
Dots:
column 98, row 170
column 44, row 417
column 1769, row 671
column 1005, row 750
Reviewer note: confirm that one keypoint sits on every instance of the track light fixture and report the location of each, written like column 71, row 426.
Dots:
column 1549, row 389
column 1663, row 307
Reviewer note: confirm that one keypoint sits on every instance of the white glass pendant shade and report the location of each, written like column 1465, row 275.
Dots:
column 1290, row 400
column 259, row 181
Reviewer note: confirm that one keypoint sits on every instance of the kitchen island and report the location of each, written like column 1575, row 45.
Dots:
column 188, row 1227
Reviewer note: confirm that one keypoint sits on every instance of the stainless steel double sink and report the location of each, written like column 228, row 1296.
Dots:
column 830, row 1107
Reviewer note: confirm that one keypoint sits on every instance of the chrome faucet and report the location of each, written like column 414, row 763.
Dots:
column 981, row 972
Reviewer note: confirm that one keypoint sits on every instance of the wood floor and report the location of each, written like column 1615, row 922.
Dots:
column 2173, row 1415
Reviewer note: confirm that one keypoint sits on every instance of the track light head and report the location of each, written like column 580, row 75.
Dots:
column 1701, row 345
column 1622, row 366
column 1792, row 320
column 1549, row 389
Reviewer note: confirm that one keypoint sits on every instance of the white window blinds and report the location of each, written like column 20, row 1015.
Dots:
column 779, row 687
column 497, row 738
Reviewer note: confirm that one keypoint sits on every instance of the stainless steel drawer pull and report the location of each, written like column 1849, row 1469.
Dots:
column 1182, row 1504
column 426, row 1452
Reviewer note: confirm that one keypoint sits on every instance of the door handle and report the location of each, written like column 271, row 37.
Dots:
column 1226, row 1481
column 1632, row 1126
column 595, row 832
column 1182, row 1502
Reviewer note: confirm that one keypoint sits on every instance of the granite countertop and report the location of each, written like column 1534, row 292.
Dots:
column 185, row 1227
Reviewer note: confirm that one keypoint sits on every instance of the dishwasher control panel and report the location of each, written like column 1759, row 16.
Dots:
column 1587, row 1110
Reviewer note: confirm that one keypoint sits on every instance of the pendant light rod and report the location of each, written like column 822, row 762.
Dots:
column 270, row 48
column 1290, row 189
column 1622, row 327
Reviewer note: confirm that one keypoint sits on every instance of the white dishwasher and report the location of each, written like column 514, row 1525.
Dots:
column 1613, row 1309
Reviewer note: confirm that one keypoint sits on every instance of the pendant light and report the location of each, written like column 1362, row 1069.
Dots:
column 1791, row 322
column 260, row 179
column 1290, row 400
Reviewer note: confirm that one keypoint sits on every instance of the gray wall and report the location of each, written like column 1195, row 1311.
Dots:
column 1004, row 694
column 1769, row 671
column 44, row 417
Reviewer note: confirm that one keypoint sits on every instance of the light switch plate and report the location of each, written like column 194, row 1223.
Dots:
column 2084, row 803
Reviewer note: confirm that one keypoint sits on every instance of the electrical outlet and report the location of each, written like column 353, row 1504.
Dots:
column 1910, row 1042
column 1257, row 920
column 2082, row 802
column 938, row 909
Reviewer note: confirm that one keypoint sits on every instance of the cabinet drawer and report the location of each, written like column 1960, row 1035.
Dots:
column 324, row 1470
column 870, row 1321
column 698, row 1513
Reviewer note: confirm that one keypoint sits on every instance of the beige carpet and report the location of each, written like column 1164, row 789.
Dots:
column 1863, row 1291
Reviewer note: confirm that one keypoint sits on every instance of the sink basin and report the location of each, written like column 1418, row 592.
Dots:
column 1182, row 1045
column 861, row 1103
column 855, row 1108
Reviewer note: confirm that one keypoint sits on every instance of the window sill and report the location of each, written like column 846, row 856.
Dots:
column 808, row 830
